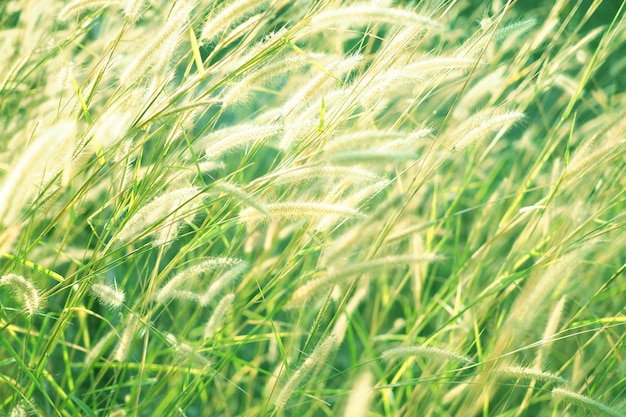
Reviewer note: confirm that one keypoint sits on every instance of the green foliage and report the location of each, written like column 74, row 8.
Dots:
column 311, row 208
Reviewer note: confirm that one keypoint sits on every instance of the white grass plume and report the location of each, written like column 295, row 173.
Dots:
column 334, row 71
column 131, row 328
column 227, row 16
column 239, row 91
column 521, row 372
column 364, row 14
column 430, row 352
column 332, row 277
column 487, row 126
column 107, row 295
column 35, row 163
column 549, row 332
column 591, row 405
column 372, row 156
column 96, row 350
column 133, row 8
column 238, row 194
column 219, row 143
column 356, row 140
column 18, row 411
column 217, row 318
column 319, row 355
column 157, row 210
column 586, row 158
column 354, row 200
column 296, row 210
column 303, row 174
column 177, row 287
column 161, row 44
column 361, row 396
column 24, row 291
column 78, row 6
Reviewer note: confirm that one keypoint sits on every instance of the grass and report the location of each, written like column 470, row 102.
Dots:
column 312, row 208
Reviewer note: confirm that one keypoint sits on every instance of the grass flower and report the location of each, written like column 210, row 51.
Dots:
column 24, row 291
column 111, row 297
column 317, row 357
column 593, row 406
column 424, row 351
column 249, row 197
column 218, row 316
column 157, row 211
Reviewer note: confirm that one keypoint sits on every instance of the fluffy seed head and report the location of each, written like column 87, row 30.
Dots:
column 157, row 210
column 179, row 286
column 424, row 351
column 23, row 290
column 593, row 406
column 107, row 295
column 218, row 315
column 318, row 356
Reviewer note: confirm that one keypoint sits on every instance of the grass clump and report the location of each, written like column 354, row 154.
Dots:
column 238, row 208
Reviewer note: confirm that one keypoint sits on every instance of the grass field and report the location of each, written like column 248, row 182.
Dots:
column 312, row 208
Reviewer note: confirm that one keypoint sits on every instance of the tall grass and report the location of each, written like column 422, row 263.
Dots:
column 312, row 208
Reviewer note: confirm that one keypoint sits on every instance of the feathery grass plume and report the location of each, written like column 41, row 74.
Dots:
column 227, row 278
column 65, row 76
column 395, row 82
column 186, row 353
column 111, row 126
column 514, row 27
column 403, row 352
column 228, row 16
column 317, row 357
column 337, row 103
column 133, row 8
column 302, row 174
column 23, row 290
column 440, row 64
column 240, row 90
column 332, row 277
column 108, row 295
column 239, row 194
column 520, row 372
column 218, row 315
column 341, row 325
column 18, row 411
column 359, row 401
column 78, row 6
column 159, row 46
column 96, row 350
column 475, row 45
column 207, row 166
column 365, row 14
column 334, row 71
column 407, row 142
column 267, row 43
column 593, row 406
column 298, row 210
column 131, row 328
column 365, row 193
column 27, row 172
column 222, row 142
column 157, row 210
column 356, row 140
column 485, row 127
column 586, row 159
column 378, row 156
column 549, row 332
column 176, row 287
